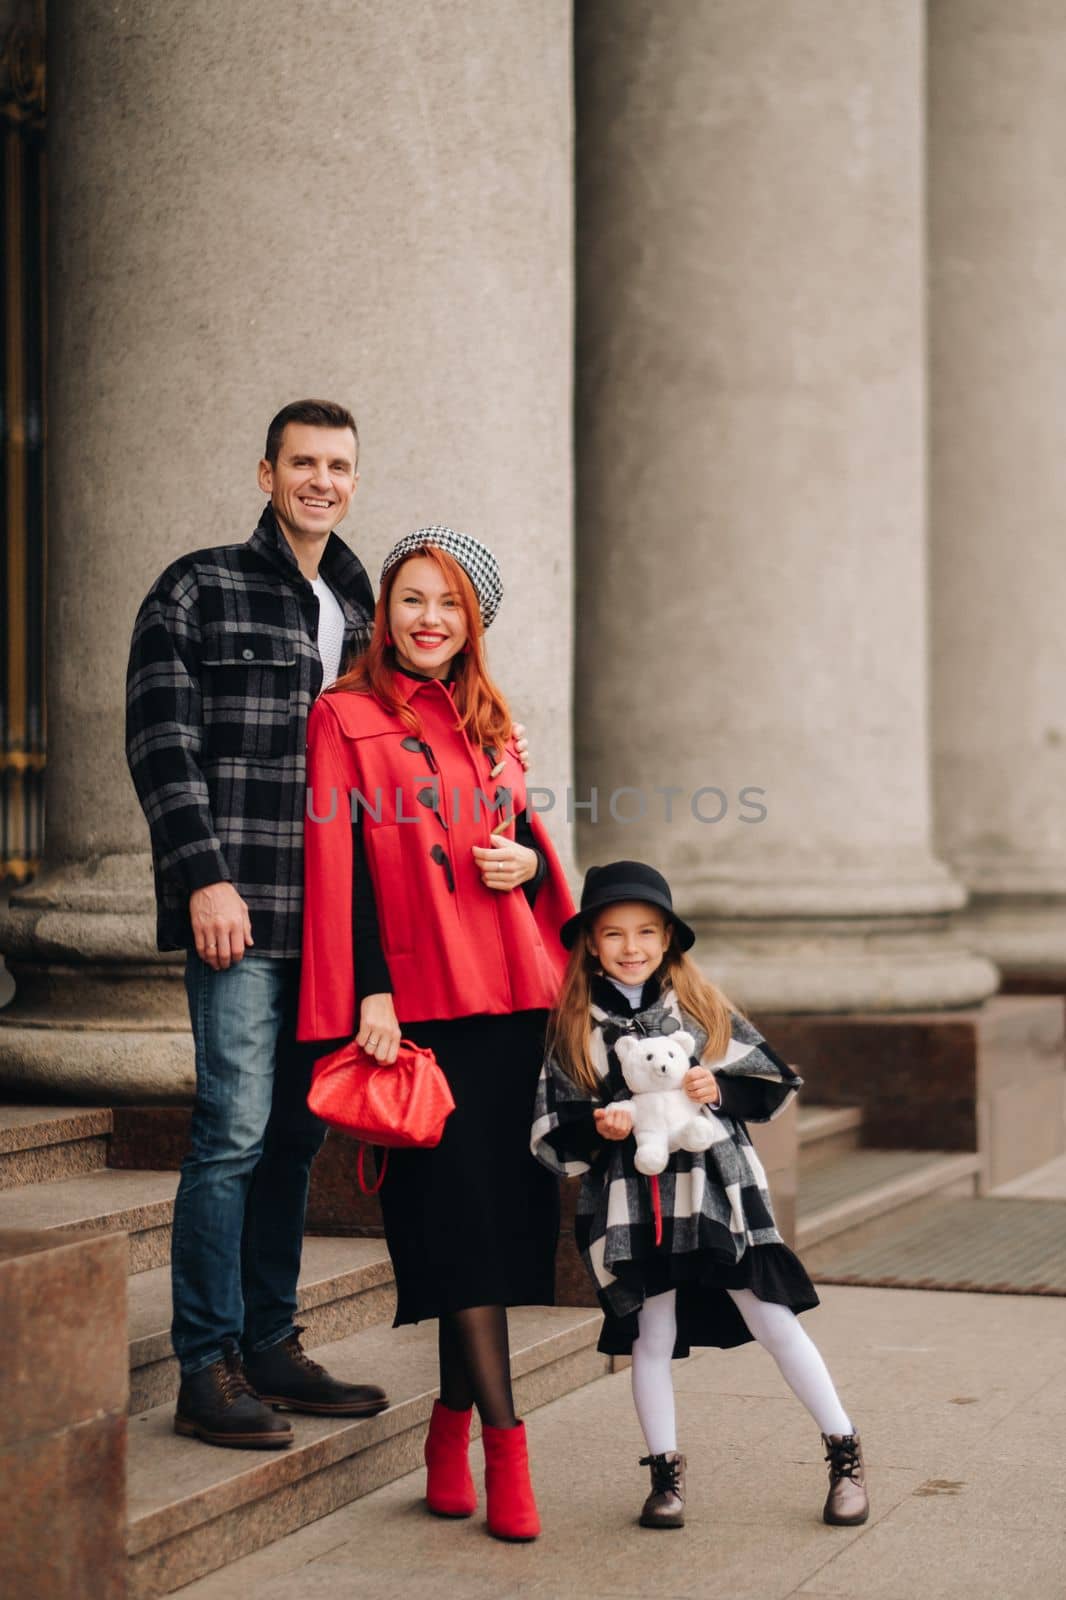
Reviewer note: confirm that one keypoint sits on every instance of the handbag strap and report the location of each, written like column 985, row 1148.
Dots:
column 382, row 1162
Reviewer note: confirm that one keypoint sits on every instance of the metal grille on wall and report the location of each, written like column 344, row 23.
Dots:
column 22, row 447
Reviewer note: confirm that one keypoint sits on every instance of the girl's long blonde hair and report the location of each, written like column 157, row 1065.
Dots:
column 569, row 1032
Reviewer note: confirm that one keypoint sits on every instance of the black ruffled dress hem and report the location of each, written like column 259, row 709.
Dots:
column 706, row 1316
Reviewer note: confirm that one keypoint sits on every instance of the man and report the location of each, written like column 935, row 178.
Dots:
column 230, row 649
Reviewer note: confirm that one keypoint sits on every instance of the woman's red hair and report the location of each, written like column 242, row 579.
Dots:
column 482, row 711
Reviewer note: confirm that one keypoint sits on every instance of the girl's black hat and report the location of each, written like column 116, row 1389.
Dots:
column 624, row 880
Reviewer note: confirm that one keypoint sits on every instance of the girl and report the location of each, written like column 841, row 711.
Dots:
column 721, row 1275
column 432, row 906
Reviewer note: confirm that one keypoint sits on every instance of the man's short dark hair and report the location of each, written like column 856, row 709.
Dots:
column 316, row 414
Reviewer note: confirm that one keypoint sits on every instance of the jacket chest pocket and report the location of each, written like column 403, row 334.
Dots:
column 248, row 680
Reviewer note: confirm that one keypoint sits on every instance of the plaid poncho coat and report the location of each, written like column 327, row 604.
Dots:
column 715, row 1201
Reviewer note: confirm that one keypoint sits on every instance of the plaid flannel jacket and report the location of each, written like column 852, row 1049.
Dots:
column 223, row 671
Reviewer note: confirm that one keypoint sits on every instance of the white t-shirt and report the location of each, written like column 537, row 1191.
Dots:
column 330, row 630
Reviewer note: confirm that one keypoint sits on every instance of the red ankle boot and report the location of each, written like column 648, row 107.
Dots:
column 449, row 1487
column 512, row 1510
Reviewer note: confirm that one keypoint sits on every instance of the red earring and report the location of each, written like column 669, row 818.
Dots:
column 388, row 636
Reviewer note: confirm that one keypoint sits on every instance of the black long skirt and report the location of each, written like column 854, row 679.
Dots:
column 475, row 1221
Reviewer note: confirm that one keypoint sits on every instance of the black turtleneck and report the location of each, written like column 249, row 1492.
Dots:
column 612, row 1000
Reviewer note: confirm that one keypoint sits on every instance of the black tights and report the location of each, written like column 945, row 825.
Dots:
column 475, row 1364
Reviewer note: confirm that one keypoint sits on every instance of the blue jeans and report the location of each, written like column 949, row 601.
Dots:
column 239, row 1212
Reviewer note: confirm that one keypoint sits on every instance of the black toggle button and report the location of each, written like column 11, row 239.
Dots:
column 439, row 855
column 430, row 798
column 420, row 747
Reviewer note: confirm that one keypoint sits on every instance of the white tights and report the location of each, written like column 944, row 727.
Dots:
column 775, row 1327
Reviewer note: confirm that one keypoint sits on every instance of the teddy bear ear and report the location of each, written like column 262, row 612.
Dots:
column 685, row 1040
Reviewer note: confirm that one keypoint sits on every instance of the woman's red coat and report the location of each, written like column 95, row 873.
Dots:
column 458, row 954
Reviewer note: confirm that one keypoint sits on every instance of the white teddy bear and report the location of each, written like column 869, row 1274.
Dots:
column 664, row 1118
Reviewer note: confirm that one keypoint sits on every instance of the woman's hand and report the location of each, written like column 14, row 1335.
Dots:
column 379, row 1031
column 505, row 865
column 702, row 1085
column 521, row 744
column 613, row 1122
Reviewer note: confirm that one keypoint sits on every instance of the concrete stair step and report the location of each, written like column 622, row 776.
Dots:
column 193, row 1508
column 345, row 1285
column 39, row 1144
column 858, row 1185
column 826, row 1131
column 138, row 1203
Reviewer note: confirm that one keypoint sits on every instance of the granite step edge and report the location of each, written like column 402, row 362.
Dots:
column 52, row 1163
column 826, row 1124
column 35, row 1127
column 101, row 1201
column 817, row 1122
column 207, row 1483
column 212, row 1546
column 938, row 1173
column 319, row 1287
column 824, row 1133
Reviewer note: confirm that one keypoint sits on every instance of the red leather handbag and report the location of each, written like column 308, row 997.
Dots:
column 398, row 1106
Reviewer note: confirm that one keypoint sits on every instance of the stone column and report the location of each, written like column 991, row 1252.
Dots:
column 367, row 202
column 751, row 490
column 997, row 126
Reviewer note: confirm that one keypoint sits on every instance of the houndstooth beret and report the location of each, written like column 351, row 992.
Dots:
column 476, row 560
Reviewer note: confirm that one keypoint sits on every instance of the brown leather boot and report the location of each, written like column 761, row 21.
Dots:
column 847, row 1503
column 285, row 1375
column 665, row 1506
column 219, row 1406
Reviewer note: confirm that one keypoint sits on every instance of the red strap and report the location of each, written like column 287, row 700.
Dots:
column 656, row 1206
column 381, row 1161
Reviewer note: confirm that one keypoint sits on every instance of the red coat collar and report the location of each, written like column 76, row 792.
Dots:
column 408, row 685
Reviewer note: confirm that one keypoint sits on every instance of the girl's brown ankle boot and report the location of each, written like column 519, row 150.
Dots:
column 847, row 1503
column 665, row 1506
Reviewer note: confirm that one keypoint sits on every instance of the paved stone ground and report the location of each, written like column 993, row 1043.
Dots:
column 962, row 1404
column 991, row 1246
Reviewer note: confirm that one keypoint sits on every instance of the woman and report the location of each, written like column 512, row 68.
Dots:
column 432, row 908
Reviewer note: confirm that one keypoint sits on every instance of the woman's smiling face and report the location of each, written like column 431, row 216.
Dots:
column 427, row 619
column 629, row 941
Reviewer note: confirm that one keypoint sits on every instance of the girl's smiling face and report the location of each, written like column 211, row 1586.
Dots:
column 629, row 940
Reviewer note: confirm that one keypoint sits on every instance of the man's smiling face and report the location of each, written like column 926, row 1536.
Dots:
column 312, row 483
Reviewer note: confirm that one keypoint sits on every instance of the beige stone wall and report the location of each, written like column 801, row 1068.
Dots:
column 752, row 578
column 752, row 408
column 376, row 204
column 250, row 204
column 997, row 123
column 364, row 201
